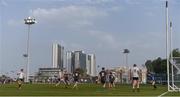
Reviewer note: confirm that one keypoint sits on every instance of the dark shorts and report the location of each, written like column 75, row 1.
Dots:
column 66, row 78
column 66, row 82
column 111, row 81
column 20, row 79
column 103, row 81
column 135, row 78
column 76, row 80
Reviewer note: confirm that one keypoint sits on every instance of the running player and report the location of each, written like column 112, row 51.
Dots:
column 20, row 79
column 66, row 79
column 60, row 79
column 111, row 80
column 115, row 79
column 102, row 77
column 135, row 77
column 153, row 82
column 76, row 79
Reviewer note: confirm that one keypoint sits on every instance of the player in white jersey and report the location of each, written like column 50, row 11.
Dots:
column 135, row 77
column 20, row 79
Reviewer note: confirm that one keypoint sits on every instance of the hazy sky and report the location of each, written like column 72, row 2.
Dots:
column 102, row 27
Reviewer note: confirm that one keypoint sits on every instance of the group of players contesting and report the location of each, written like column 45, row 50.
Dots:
column 104, row 78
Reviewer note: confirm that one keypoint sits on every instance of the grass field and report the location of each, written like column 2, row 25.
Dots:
column 83, row 90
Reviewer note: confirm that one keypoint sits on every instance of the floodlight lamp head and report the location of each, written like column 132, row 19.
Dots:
column 29, row 18
column 30, row 21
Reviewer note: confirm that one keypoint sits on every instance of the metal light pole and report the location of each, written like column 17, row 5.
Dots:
column 167, row 44
column 126, row 52
column 29, row 21
column 98, row 66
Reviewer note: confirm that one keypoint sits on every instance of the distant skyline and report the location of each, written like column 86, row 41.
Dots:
column 101, row 27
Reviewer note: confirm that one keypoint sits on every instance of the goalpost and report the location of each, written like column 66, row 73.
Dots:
column 174, row 74
column 173, row 63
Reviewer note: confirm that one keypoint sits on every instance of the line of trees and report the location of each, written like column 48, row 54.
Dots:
column 159, row 65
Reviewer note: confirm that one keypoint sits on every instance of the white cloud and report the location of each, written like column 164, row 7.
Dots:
column 14, row 23
column 99, row 1
column 61, row 42
column 69, row 16
column 76, row 46
column 46, row 0
column 116, row 8
column 3, row 3
column 133, row 2
column 149, row 14
column 106, row 39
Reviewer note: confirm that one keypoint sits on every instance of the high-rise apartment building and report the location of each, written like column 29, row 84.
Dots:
column 70, row 61
column 80, row 60
column 91, row 64
column 57, row 56
column 88, row 64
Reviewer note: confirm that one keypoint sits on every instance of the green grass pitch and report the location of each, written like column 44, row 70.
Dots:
column 83, row 90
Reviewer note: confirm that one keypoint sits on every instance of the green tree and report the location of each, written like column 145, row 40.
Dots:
column 81, row 71
column 176, row 52
column 159, row 65
column 149, row 66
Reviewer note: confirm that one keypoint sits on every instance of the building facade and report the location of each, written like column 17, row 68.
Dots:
column 74, row 60
column 88, row 64
column 80, row 60
column 57, row 56
column 70, row 61
column 91, row 64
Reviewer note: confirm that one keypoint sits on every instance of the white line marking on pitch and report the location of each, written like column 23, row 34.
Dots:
column 163, row 93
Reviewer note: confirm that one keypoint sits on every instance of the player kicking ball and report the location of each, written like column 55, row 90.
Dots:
column 153, row 82
column 20, row 79
column 135, row 76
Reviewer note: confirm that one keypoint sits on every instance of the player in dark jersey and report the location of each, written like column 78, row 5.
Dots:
column 76, row 79
column 111, row 80
column 102, row 77
column 60, row 79
column 153, row 82
column 66, row 79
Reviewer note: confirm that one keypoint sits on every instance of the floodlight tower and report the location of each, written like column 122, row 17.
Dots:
column 126, row 52
column 28, row 21
column 167, row 44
